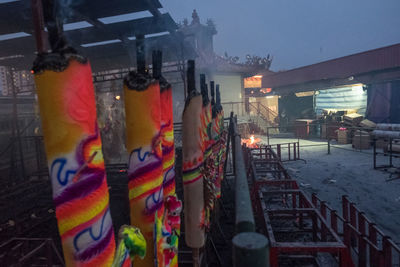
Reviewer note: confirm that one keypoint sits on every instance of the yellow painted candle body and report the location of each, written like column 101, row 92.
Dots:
column 73, row 147
column 145, row 173
column 193, row 190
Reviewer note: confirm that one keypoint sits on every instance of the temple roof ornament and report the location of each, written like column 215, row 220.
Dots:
column 195, row 17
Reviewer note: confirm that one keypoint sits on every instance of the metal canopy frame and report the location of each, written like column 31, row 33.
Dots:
column 19, row 53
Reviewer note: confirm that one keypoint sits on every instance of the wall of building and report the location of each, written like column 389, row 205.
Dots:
column 232, row 92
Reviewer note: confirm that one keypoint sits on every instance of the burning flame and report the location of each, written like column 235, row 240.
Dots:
column 251, row 139
column 251, row 142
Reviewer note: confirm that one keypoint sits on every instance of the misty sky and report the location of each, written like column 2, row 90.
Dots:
column 295, row 32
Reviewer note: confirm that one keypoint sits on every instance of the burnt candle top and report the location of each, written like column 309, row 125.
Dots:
column 56, row 61
column 138, row 81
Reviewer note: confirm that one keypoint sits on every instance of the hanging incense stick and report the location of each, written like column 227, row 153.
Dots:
column 73, row 146
column 142, row 108
column 192, row 163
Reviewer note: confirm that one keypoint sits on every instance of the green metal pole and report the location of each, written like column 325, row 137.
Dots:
column 250, row 250
column 243, row 209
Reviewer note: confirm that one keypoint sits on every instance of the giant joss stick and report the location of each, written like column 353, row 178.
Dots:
column 222, row 142
column 74, row 151
column 167, row 127
column 192, row 157
column 208, row 169
column 167, row 233
column 217, row 124
column 143, row 142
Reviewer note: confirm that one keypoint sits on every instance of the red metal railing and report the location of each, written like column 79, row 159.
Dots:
column 368, row 245
column 271, row 182
column 365, row 244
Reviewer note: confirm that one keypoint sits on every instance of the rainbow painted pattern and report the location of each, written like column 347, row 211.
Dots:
column 206, row 124
column 168, row 146
column 145, row 169
column 73, row 146
column 168, row 251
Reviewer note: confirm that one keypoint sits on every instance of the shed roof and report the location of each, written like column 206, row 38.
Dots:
column 103, row 30
column 366, row 67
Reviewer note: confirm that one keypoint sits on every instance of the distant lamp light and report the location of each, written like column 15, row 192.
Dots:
column 117, row 97
column 252, row 92
column 351, row 78
column 257, row 76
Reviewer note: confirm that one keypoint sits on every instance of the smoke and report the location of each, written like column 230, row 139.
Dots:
column 66, row 8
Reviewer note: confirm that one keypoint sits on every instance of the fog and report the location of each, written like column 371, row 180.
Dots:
column 295, row 32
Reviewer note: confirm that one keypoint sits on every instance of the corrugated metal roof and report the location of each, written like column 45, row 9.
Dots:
column 341, row 68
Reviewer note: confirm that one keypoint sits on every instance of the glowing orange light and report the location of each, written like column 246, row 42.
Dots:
column 251, row 142
column 117, row 97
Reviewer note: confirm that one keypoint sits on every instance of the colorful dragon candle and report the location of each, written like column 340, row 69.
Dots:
column 167, row 231
column 209, row 159
column 167, row 127
column 145, row 172
column 192, row 153
column 220, row 138
column 73, row 147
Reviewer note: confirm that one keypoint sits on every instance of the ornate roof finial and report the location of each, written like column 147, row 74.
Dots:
column 195, row 17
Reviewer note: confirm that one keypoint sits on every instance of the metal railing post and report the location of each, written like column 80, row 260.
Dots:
column 334, row 225
column 345, row 208
column 373, row 255
column 329, row 146
column 387, row 251
column 250, row 250
column 278, row 150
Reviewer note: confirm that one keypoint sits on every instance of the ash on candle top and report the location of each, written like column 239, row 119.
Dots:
column 164, row 85
column 56, row 61
column 191, row 95
column 138, row 81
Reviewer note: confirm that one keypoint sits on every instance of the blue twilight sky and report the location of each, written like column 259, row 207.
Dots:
column 295, row 32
